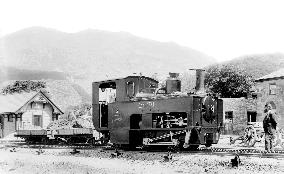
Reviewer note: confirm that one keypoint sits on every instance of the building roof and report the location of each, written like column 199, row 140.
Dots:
column 279, row 74
column 10, row 103
column 13, row 103
column 40, row 96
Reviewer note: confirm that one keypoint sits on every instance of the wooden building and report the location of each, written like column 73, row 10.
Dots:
column 29, row 111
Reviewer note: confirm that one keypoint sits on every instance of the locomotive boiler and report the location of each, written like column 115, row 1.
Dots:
column 134, row 112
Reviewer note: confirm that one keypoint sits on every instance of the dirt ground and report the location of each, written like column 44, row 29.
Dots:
column 28, row 161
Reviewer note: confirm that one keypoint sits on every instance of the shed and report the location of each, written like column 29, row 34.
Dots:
column 30, row 111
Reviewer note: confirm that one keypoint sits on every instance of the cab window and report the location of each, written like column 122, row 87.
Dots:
column 130, row 89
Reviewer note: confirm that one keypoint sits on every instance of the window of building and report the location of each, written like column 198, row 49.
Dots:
column 10, row 118
column 19, row 117
column 54, row 117
column 251, row 116
column 36, row 105
column 37, row 120
column 229, row 116
column 254, row 95
column 272, row 89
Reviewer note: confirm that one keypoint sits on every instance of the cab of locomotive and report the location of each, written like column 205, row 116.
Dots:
column 134, row 111
column 116, row 90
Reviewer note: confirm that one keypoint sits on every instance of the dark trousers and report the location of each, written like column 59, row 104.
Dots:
column 269, row 141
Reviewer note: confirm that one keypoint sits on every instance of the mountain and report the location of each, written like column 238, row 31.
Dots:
column 69, row 62
column 11, row 73
column 95, row 54
column 258, row 65
column 65, row 95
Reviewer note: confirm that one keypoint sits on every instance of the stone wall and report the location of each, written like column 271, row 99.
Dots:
column 277, row 100
column 255, row 103
column 239, row 108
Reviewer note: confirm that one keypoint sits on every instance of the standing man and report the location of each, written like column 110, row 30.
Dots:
column 269, row 126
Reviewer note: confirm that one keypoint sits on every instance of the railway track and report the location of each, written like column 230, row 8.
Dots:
column 240, row 150
column 249, row 152
column 201, row 151
column 57, row 146
column 243, row 152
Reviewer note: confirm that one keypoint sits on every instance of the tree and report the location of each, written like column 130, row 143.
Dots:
column 23, row 86
column 228, row 81
column 74, row 112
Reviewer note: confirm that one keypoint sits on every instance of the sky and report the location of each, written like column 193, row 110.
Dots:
column 223, row 29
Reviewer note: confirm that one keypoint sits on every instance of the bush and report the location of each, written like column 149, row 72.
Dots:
column 228, row 81
column 23, row 86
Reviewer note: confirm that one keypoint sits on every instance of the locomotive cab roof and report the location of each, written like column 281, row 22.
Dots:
column 127, row 77
column 121, row 89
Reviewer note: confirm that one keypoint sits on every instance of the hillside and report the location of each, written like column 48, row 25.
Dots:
column 63, row 93
column 11, row 73
column 94, row 54
column 258, row 65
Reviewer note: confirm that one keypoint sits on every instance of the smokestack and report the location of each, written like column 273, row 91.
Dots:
column 199, row 83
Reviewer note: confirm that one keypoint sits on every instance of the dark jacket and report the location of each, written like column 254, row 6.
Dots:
column 269, row 123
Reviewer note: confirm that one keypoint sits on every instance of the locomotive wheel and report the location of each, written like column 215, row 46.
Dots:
column 92, row 142
column 29, row 140
column 69, row 141
column 179, row 145
column 193, row 147
column 45, row 140
column 104, row 141
column 208, row 144
column 194, row 140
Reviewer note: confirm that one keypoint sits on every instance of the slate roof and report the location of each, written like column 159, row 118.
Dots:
column 279, row 74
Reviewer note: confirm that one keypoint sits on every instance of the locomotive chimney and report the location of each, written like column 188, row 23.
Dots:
column 199, row 83
column 173, row 84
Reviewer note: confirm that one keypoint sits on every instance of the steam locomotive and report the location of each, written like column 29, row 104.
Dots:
column 134, row 112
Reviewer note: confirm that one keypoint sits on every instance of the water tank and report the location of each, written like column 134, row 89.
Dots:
column 173, row 84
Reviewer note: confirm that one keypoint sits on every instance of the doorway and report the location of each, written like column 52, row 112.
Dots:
column 135, row 135
column 107, row 94
column 228, row 123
